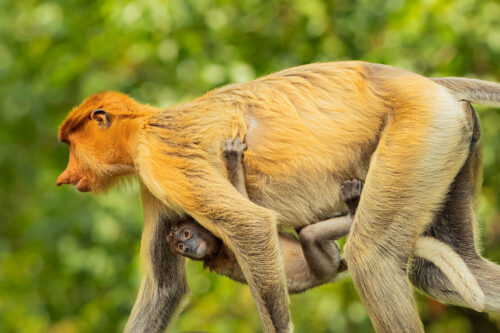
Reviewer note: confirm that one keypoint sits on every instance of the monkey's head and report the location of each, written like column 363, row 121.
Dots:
column 100, row 134
column 190, row 239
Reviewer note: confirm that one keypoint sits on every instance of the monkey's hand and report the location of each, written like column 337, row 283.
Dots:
column 351, row 191
column 232, row 151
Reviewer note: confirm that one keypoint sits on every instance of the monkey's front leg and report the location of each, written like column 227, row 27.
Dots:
column 246, row 228
column 250, row 232
column 164, row 282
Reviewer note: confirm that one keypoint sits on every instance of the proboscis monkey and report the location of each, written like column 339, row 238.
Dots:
column 314, row 258
column 308, row 129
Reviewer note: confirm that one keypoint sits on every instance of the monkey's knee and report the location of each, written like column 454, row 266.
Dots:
column 357, row 249
column 322, row 256
column 307, row 236
column 366, row 256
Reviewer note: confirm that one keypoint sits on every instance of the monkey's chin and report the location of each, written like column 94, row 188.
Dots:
column 83, row 185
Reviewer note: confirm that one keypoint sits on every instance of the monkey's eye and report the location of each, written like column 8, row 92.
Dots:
column 187, row 233
column 180, row 247
column 102, row 118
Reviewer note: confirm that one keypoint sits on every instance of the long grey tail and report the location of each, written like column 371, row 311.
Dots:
column 454, row 267
column 472, row 90
column 488, row 277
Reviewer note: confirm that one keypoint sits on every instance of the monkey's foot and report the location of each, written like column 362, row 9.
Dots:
column 351, row 190
column 233, row 150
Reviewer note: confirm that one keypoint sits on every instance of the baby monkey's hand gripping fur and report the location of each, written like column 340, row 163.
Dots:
column 316, row 259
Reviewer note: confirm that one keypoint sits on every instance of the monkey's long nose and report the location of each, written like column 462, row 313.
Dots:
column 63, row 178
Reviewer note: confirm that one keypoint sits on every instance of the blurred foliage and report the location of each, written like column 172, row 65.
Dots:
column 69, row 261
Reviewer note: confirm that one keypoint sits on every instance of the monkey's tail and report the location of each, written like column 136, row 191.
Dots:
column 455, row 269
column 488, row 276
column 472, row 90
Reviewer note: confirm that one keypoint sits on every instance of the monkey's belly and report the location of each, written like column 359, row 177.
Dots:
column 298, row 201
column 300, row 176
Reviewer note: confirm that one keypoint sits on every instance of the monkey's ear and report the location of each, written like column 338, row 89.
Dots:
column 102, row 118
column 171, row 240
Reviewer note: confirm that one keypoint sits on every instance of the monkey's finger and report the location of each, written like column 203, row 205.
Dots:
column 343, row 190
column 345, row 187
column 238, row 144
column 227, row 144
column 239, row 139
column 357, row 184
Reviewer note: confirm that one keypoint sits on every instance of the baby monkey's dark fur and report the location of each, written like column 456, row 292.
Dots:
column 310, row 261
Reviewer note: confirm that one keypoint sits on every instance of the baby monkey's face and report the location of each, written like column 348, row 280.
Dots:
column 190, row 239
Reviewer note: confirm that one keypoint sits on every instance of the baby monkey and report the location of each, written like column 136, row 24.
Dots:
column 314, row 258
column 310, row 261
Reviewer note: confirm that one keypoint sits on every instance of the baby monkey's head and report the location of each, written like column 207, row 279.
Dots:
column 190, row 239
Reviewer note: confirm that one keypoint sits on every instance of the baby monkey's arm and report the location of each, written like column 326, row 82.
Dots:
column 232, row 153
column 316, row 259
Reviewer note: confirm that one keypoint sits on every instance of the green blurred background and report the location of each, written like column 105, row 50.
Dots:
column 69, row 261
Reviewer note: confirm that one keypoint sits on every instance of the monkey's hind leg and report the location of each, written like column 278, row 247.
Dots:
column 454, row 226
column 409, row 174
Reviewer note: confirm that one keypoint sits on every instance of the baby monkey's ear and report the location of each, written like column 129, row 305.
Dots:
column 172, row 239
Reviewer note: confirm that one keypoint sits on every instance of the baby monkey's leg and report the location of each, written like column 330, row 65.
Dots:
column 317, row 240
column 313, row 261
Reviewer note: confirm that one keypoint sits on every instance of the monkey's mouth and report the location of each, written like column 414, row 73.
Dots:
column 83, row 185
column 201, row 250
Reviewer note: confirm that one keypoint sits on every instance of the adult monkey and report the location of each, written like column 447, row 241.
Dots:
column 308, row 129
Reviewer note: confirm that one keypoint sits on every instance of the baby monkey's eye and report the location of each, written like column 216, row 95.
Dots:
column 180, row 246
column 187, row 233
